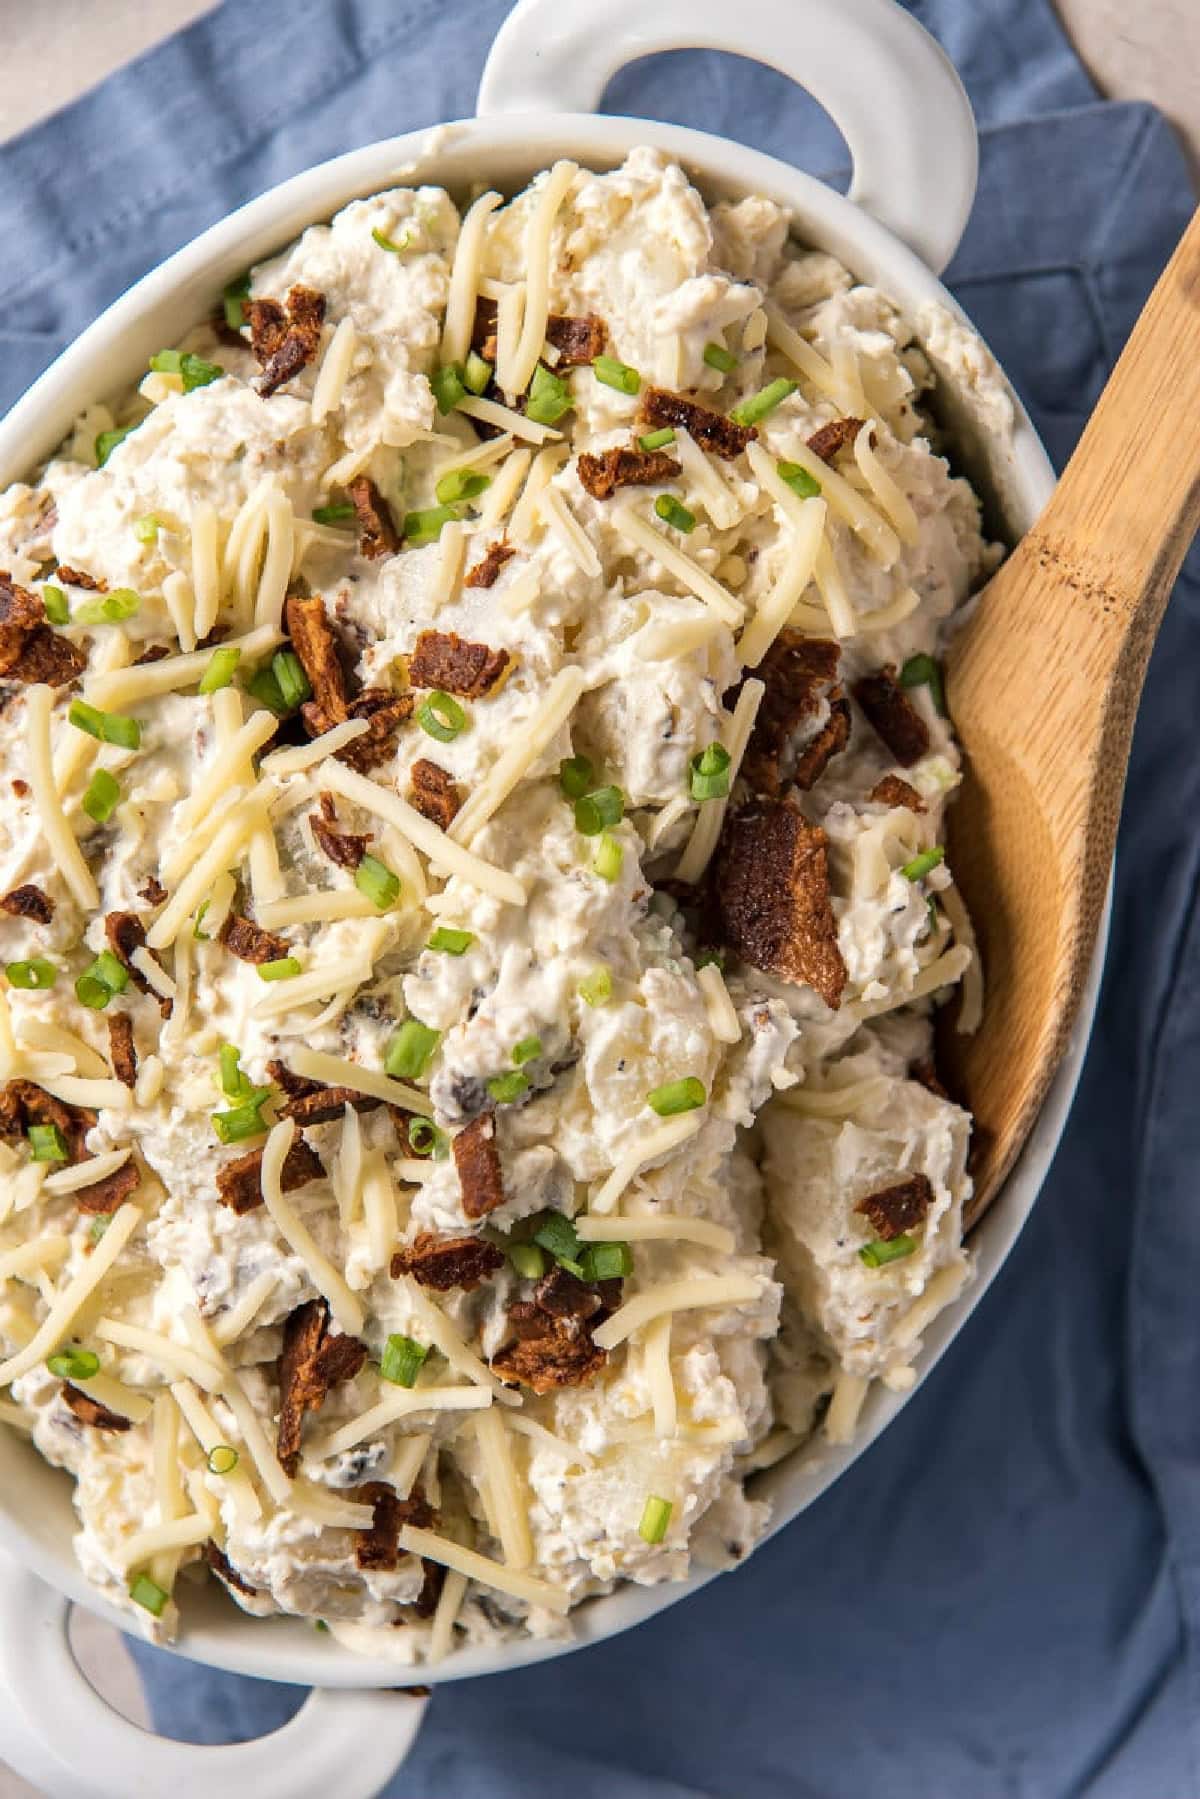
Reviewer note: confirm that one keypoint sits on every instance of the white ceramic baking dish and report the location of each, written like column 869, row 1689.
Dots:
column 912, row 141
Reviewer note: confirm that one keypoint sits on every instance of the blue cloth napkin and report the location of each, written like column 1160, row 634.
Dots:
column 1001, row 1600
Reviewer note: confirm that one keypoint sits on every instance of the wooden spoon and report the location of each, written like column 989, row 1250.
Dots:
column 1043, row 685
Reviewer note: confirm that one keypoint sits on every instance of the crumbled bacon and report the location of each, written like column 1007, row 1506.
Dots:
column 577, row 340
column 315, row 643
column 385, row 713
column 29, row 650
column 21, row 613
column 224, row 1569
column 548, row 1351
column 483, row 329
column 121, row 1051
column 562, row 1294
column 312, row 1102
column 444, row 660
column 285, row 340
column 250, row 943
column 377, row 533
column 800, row 675
column 485, row 573
column 620, row 467
column 312, row 1361
column 898, row 1208
column 837, row 435
column 126, row 933
column 156, row 652
column 434, row 793
column 446, row 1262
column 379, row 1547
column 711, row 430
column 24, row 1103
column 892, row 715
column 772, row 896
column 77, row 577
column 89, row 1411
column 346, row 848
column 893, row 791
column 478, row 1162
column 152, row 891
column 107, row 1195
column 28, row 902
column 829, row 742
column 239, row 1183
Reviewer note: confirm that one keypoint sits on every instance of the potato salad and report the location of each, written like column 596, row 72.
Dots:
column 472, row 907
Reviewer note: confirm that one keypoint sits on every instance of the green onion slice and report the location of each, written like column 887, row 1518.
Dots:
column 149, row 1595
column 799, row 480
column 441, row 716
column 450, row 941
column 425, row 1139
column 616, row 374
column 507, row 1088
column 607, row 1261
column 402, row 1360
column 284, row 968
column 55, row 602
column 109, row 727
column 147, row 528
column 409, row 1051
column 222, row 1459
column 527, row 1050
column 677, row 1096
column 674, row 512
column 231, row 302
column 194, row 370
column 33, row 976
column 102, row 795
column 920, row 866
column 609, row 857
column 477, row 373
column 98, row 1227
column 549, row 397
column 923, row 671
column 656, row 1515
column 710, row 773
column 395, row 246
column 290, row 678
column 220, row 670
column 239, row 1122
column 461, row 484
column 556, row 1234
column 528, row 1259
column 263, row 687
column 718, row 357
column 99, row 983
column 595, row 989
column 595, row 811
column 764, row 402
column 74, row 1363
column 448, row 386
column 879, row 1252
column 108, row 608
column 234, row 1083
column 656, row 440
column 47, row 1144
column 107, row 442
column 575, row 776
column 334, row 514
column 425, row 526
column 376, row 880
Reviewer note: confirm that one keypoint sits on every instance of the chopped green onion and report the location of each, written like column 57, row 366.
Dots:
column 528, row 1260
column 106, row 977
column 376, row 880
column 284, row 968
column 595, row 989
column 448, row 386
column 109, row 727
column 935, row 917
column 923, row 671
column 596, row 810
column 549, row 397
column 609, row 858
column 616, row 374
column 33, row 976
column 677, row 1096
column 320, row 1624
column 558, row 1235
column 409, row 1051
column 107, row 442
column 425, row 525
column 674, row 512
column 506, row 1088
column 234, row 1083
column 461, row 484
column 333, row 514
column 239, row 1122
column 920, row 866
column 47, row 1144
column 98, row 1227
column 799, row 480
column 710, row 773
column 441, row 716
column 607, row 1261
column 477, row 373
column 656, row 1515
column 424, row 1138
column 527, row 1050
column 108, row 608
column 149, row 1595
column 92, row 993
column 715, row 957
column 387, row 243
column 656, row 440
column 194, row 371
column 718, row 357
column 103, row 794
column 450, row 941
column 220, row 670
column 879, row 1252
column 264, row 688
column 402, row 1360
column 55, row 602
column 231, row 302
column 74, row 1363
column 759, row 405
column 222, row 1459
column 147, row 528
column 290, row 678
column 575, row 776
column 198, row 931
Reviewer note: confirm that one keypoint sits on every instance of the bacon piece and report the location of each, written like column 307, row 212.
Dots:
column 621, row 467
column 577, row 340
column 225, row 1571
column 21, row 613
column 285, row 340
column 549, row 1352
column 892, row 715
column 426, row 1601
column 446, row 1262
column 712, row 430
column 483, row 328
column 485, row 573
column 250, row 943
column 385, row 713
column 562, row 1295
column 837, row 435
column 800, row 675
column 444, row 660
column 76, row 577
column 772, row 896
column 24, row 1103
column 152, row 891
column 239, row 1183
column 343, row 847
column 107, row 1195
column 478, row 1162
column 434, row 794
column 89, row 1411
column 925, row 1072
column 315, row 643
column 829, row 742
column 121, row 1051
column 157, row 652
column 126, row 933
column 312, row 1361
column 312, row 1102
column 379, row 1547
column 898, row 1208
column 29, row 650
column 893, row 791
column 377, row 533
column 28, row 902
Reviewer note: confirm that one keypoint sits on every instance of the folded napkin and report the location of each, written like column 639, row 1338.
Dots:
column 1001, row 1600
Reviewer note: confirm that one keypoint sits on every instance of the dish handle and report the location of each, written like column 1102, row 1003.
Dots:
column 58, row 1733
column 889, row 87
